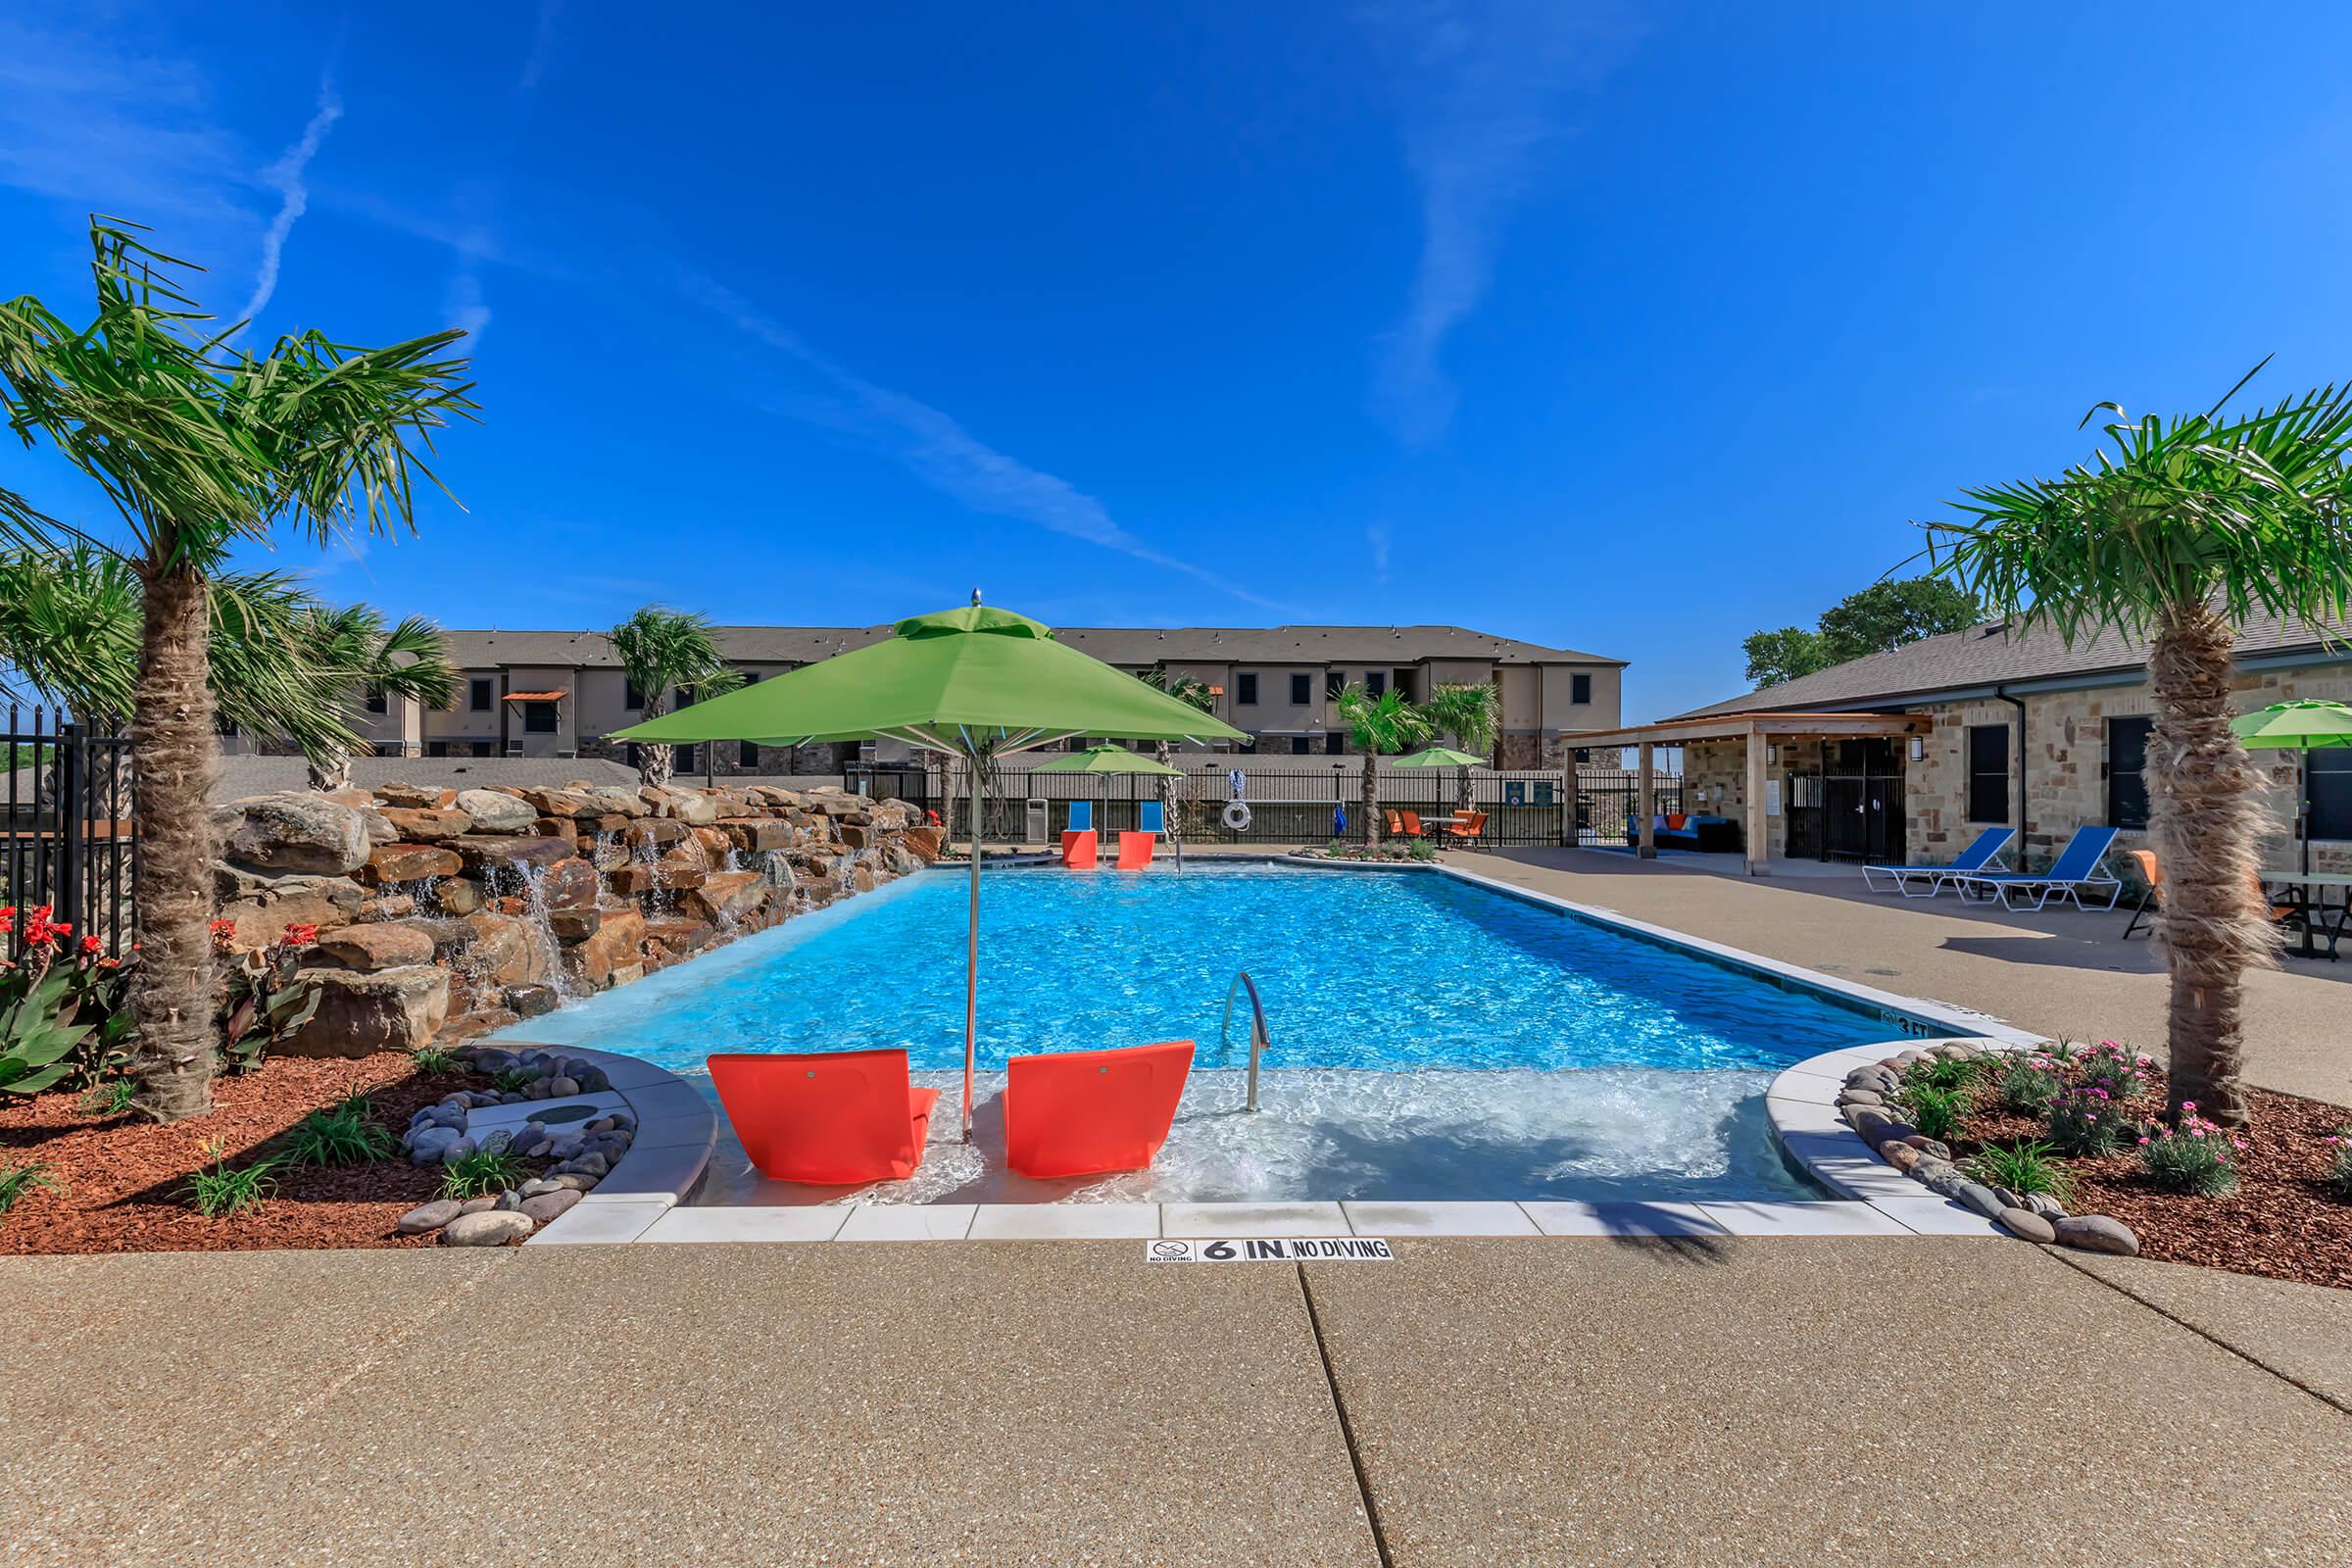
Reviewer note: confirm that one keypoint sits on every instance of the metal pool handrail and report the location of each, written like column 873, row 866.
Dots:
column 1257, row 1027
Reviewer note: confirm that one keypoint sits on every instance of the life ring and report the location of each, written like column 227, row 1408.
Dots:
column 1237, row 816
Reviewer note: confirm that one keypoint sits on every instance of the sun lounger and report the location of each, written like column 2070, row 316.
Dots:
column 1087, row 1112
column 1078, row 850
column 832, row 1118
column 2075, row 869
column 1134, row 850
column 1981, row 855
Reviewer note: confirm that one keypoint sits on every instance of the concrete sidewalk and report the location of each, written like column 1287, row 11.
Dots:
column 1505, row 1402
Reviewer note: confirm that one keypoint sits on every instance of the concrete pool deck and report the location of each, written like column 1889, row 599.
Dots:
column 1679, row 1400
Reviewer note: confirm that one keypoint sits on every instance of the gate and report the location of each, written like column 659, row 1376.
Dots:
column 1609, row 802
column 68, row 840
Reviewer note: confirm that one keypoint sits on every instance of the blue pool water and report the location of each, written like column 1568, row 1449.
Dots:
column 1357, row 972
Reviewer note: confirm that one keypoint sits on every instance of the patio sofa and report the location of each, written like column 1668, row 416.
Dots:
column 1712, row 834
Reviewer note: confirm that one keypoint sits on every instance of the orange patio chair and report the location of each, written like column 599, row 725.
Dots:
column 1087, row 1112
column 1134, row 850
column 2153, row 875
column 832, row 1118
column 1396, row 823
column 1467, row 829
column 1078, row 849
column 1412, row 826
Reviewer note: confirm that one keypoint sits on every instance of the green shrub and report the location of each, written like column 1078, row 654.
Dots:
column 433, row 1058
column 2109, row 1066
column 1946, row 1072
column 511, row 1083
column 17, row 1180
column 2338, row 1179
column 345, row 1134
column 221, row 1191
column 2023, row 1168
column 2086, row 1120
column 1935, row 1112
column 2193, row 1157
column 109, row 1098
column 482, row 1173
column 2029, row 1081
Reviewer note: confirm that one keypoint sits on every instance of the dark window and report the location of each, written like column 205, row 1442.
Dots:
column 1334, row 682
column 485, row 748
column 1988, row 772
column 2126, row 786
column 749, row 757
column 1403, row 680
column 1335, row 744
column 1376, row 681
column 2327, row 774
column 377, row 702
column 479, row 694
column 539, row 718
column 1302, row 745
column 391, row 749
column 682, row 759
column 1302, row 690
column 226, row 726
column 628, row 753
column 633, row 700
column 436, row 748
column 1580, row 689
column 1244, row 689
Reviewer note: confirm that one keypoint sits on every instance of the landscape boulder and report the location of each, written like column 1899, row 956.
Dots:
column 488, row 1227
column 294, row 832
column 484, row 852
column 362, row 1014
column 407, row 862
column 505, row 950
column 615, row 943
column 2096, row 1233
column 569, row 884
column 725, row 897
column 414, row 797
column 388, row 945
column 428, row 825
column 261, row 909
column 496, row 812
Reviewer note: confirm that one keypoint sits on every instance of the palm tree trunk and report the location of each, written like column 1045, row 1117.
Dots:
column 1371, row 798
column 2206, row 826
column 653, row 766
column 1171, row 799
column 330, row 769
column 173, row 756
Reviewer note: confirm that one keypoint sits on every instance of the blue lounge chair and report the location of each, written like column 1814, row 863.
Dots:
column 1981, row 855
column 2075, row 869
column 1151, row 818
column 1082, row 817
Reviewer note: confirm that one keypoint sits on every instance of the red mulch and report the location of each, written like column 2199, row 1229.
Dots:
column 123, row 1175
column 2282, row 1221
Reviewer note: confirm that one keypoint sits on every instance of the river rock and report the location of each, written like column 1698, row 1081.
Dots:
column 386, row 945
column 495, row 811
column 2024, row 1223
column 426, row 1217
column 1902, row 1156
column 1980, row 1198
column 1861, row 1096
column 548, row 1205
column 491, row 1227
column 2046, row 1205
column 2096, row 1233
column 360, row 1015
column 293, row 831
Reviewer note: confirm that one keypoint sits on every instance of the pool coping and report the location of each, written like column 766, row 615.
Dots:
column 666, row 1161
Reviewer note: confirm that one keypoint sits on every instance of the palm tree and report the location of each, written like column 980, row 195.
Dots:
column 352, row 649
column 1378, row 724
column 1173, row 792
column 2177, row 533
column 1471, row 714
column 662, row 651
column 200, row 447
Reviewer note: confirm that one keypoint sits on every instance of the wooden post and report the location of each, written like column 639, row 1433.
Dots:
column 1757, row 845
column 1647, row 835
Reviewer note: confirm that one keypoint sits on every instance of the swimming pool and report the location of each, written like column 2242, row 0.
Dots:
column 1431, row 1037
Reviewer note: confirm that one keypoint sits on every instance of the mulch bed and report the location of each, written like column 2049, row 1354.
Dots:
column 2282, row 1222
column 123, row 1175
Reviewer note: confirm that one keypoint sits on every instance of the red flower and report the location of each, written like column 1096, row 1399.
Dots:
column 300, row 936
column 92, row 945
column 8, row 918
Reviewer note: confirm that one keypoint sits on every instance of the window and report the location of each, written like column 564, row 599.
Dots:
column 633, row 700
column 436, row 748
column 1334, row 682
column 391, row 749
column 485, row 748
column 1580, row 689
column 682, row 759
column 2127, row 789
column 479, row 694
column 1335, row 744
column 1988, row 772
column 376, row 702
column 1302, row 745
column 2328, row 775
column 1376, row 681
column 1302, row 690
column 1245, row 688
column 748, row 756
column 540, row 718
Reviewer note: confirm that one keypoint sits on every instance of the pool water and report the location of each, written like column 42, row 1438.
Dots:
column 1429, row 1038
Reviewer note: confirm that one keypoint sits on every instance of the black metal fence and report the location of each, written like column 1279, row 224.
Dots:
column 68, row 840
column 1608, row 804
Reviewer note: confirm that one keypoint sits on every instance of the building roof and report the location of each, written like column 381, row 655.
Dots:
column 1114, row 645
column 1993, row 654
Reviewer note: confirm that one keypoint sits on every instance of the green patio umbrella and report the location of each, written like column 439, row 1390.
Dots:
column 1439, row 756
column 2303, row 727
column 1106, row 760
column 977, row 683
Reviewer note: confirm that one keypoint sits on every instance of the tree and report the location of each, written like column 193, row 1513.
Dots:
column 1173, row 792
column 2177, row 532
column 662, row 651
column 1377, row 725
column 198, row 446
column 284, row 666
column 1871, row 620
column 1471, row 714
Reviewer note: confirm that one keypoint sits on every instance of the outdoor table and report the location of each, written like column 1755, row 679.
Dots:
column 2303, row 883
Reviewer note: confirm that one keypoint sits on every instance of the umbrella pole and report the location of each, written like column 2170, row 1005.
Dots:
column 972, row 946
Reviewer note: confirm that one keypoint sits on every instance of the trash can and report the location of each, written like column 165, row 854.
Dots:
column 1037, row 829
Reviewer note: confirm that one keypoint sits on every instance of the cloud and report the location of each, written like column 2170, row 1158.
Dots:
column 1376, row 535
column 937, row 449
column 1480, row 85
column 293, row 196
column 543, row 43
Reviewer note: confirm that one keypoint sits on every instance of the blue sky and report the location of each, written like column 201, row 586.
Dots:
column 1630, row 329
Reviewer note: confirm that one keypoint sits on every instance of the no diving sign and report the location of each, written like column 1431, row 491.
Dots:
column 1273, row 1249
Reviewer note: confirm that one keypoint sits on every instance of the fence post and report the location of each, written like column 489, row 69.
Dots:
column 71, row 823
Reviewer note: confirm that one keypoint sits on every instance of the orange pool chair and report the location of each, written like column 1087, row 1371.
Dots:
column 1412, row 826
column 832, row 1118
column 1086, row 1112
column 1134, row 850
column 1078, row 849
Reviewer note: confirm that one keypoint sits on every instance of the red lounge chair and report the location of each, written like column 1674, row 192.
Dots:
column 1078, row 849
column 834, row 1117
column 1134, row 850
column 1085, row 1113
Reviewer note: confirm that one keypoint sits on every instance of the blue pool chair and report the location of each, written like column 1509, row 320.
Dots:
column 1981, row 855
column 1082, row 817
column 2075, row 869
column 1151, row 818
